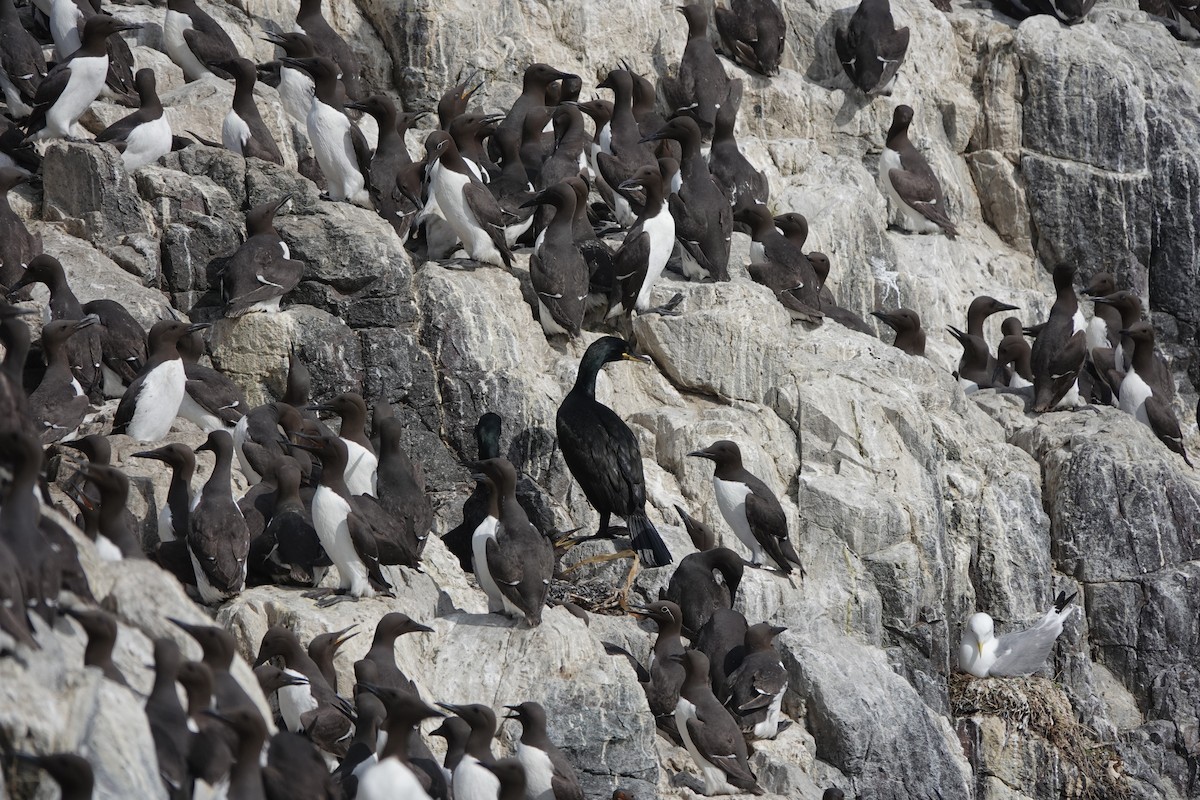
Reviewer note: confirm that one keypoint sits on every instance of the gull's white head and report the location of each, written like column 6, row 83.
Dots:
column 982, row 627
column 977, row 635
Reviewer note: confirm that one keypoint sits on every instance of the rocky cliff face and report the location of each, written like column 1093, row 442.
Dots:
column 912, row 506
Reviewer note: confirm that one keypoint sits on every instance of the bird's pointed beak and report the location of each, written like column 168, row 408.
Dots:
column 345, row 636
column 536, row 200
column 637, row 358
column 702, row 454
column 198, row 326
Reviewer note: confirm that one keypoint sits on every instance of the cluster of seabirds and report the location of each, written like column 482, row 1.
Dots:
column 676, row 185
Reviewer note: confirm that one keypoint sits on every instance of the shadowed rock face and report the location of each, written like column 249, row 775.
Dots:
column 910, row 505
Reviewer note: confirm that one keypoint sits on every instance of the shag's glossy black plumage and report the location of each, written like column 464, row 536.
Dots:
column 603, row 454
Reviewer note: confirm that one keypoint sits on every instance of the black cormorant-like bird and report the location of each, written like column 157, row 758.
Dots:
column 603, row 454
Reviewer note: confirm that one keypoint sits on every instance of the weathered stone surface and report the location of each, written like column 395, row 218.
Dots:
column 87, row 187
column 253, row 351
column 94, row 276
column 1111, row 126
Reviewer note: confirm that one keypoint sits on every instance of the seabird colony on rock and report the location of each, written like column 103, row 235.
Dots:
column 487, row 185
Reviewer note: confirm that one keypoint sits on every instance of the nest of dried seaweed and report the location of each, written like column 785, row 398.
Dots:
column 593, row 596
column 1039, row 706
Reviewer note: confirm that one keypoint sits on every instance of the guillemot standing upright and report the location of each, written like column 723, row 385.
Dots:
column 749, row 507
column 39, row 576
column 556, row 267
column 475, row 508
column 250, row 730
column 211, row 400
column 472, row 780
column 978, row 311
column 295, row 547
column 622, row 150
column 114, row 523
column 151, row 402
column 465, row 203
column 168, row 719
column 101, row 630
column 401, row 483
column 58, row 404
column 83, row 349
column 195, row 41
column 350, row 528
column 243, row 130
column 311, row 707
column 710, row 733
column 661, row 678
column 391, row 154
column 1060, row 348
column 973, row 373
column 908, row 182
column 323, row 649
column 338, row 144
column 647, row 247
column 362, row 462
column 534, row 83
column 329, row 44
column 173, row 517
column 548, row 774
column 296, row 86
column 218, row 540
column 393, row 777
column 68, row 90
column 737, row 177
column 512, row 559
column 702, row 81
column 144, row 136
column 702, row 214
column 1014, row 352
column 1148, row 388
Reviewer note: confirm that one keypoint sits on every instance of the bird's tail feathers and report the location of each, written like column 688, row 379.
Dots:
column 646, row 541
column 1062, row 601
